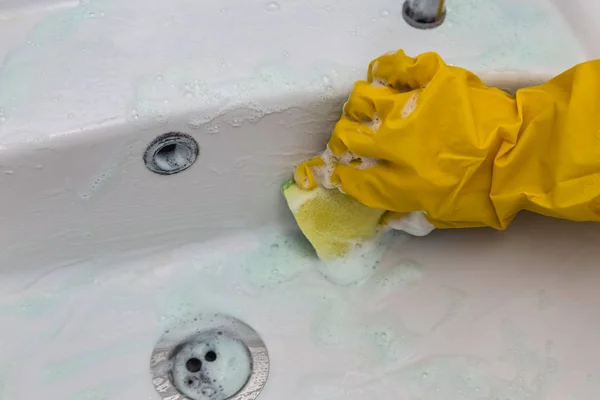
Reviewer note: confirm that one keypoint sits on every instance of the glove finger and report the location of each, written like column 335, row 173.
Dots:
column 304, row 173
column 367, row 110
column 379, row 186
column 351, row 139
column 403, row 72
column 374, row 104
column 367, row 102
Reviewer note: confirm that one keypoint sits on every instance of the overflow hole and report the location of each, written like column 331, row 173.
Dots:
column 171, row 153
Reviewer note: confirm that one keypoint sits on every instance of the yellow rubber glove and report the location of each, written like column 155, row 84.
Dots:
column 420, row 135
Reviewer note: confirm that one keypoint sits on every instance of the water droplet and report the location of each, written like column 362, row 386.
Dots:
column 286, row 54
column 424, row 375
column 223, row 10
column 236, row 122
column 213, row 129
column 9, row 171
column 272, row 6
column 384, row 13
column 195, row 123
column 159, row 78
column 92, row 14
column 327, row 8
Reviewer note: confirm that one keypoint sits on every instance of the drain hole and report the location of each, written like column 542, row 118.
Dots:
column 193, row 365
column 210, row 356
column 171, row 153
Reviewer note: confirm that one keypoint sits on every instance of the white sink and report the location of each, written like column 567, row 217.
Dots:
column 99, row 256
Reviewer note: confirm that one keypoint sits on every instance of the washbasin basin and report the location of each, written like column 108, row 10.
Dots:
column 143, row 145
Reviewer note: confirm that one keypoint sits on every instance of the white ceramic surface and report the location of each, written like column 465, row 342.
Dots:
column 98, row 255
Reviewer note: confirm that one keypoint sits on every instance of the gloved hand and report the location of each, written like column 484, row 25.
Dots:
column 420, row 135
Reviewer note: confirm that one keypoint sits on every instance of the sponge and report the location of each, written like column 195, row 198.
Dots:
column 334, row 223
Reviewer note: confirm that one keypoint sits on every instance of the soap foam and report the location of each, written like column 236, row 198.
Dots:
column 278, row 260
column 360, row 263
column 323, row 174
column 374, row 67
column 356, row 267
column 379, row 82
column 410, row 105
column 367, row 162
column 375, row 122
column 415, row 223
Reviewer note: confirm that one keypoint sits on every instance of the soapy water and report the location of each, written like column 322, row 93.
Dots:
column 358, row 321
column 162, row 90
column 375, row 337
column 245, row 101
column 71, row 74
column 286, row 265
column 283, row 259
column 360, row 262
column 439, row 377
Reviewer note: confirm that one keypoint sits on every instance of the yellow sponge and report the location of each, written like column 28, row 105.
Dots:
column 334, row 223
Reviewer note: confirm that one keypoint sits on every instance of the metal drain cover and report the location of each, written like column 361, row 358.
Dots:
column 212, row 357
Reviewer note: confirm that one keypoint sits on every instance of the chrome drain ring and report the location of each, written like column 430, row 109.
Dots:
column 171, row 343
